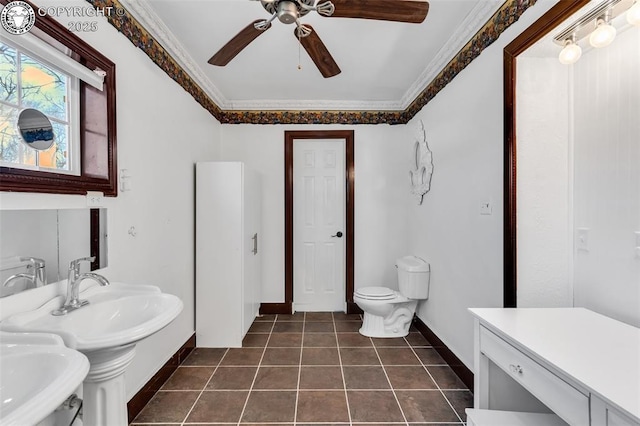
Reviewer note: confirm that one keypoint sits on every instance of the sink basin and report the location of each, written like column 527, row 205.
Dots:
column 38, row 374
column 106, row 331
column 116, row 315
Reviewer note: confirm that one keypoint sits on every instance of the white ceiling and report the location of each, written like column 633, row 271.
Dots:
column 385, row 65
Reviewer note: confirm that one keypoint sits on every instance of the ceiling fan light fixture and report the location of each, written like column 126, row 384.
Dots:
column 303, row 30
column 287, row 12
column 325, row 8
column 290, row 12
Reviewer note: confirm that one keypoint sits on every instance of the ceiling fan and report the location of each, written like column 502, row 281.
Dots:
column 290, row 12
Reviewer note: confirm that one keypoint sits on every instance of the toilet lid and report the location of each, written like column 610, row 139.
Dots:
column 375, row 293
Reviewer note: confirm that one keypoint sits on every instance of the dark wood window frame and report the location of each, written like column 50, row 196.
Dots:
column 550, row 20
column 289, row 138
column 97, row 128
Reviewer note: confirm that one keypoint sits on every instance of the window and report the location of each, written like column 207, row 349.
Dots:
column 94, row 149
column 27, row 82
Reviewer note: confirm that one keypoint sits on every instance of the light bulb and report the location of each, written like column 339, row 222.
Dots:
column 633, row 14
column 570, row 53
column 603, row 35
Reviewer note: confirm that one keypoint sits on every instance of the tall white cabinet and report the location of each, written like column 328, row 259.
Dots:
column 228, row 257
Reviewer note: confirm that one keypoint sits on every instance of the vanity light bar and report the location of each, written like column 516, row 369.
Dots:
column 584, row 26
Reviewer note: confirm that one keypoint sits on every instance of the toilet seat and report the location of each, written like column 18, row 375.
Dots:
column 375, row 293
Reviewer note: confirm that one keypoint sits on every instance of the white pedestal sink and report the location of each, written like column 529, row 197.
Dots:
column 106, row 331
column 38, row 374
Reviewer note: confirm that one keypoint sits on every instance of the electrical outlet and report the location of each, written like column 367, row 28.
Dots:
column 94, row 198
column 486, row 208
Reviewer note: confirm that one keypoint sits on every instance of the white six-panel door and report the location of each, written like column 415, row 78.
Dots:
column 319, row 219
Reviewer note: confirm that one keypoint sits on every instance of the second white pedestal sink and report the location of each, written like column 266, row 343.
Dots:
column 38, row 374
column 106, row 331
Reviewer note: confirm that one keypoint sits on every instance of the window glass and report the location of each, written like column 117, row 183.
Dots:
column 10, row 149
column 8, row 74
column 43, row 88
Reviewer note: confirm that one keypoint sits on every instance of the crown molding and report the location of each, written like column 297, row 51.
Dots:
column 474, row 22
column 142, row 11
column 313, row 105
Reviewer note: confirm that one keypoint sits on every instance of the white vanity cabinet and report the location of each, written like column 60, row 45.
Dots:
column 583, row 366
column 228, row 255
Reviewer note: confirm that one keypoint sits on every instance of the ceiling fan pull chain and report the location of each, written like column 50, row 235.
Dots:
column 299, row 47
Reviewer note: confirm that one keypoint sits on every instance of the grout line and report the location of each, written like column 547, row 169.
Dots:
column 389, row 381
column 319, row 390
column 246, row 401
column 344, row 382
column 300, row 365
column 440, row 389
column 295, row 409
column 204, row 387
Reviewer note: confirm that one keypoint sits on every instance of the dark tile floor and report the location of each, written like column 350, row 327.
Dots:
column 312, row 368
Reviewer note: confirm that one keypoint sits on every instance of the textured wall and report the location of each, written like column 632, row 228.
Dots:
column 543, row 182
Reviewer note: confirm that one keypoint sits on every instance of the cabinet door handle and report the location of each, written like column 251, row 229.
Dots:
column 255, row 244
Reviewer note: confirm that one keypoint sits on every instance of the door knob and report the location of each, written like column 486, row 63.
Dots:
column 338, row 234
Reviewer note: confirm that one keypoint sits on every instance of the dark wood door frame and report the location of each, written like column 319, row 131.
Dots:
column 289, row 138
column 550, row 20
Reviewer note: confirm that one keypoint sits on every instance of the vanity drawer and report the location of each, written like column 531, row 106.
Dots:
column 563, row 399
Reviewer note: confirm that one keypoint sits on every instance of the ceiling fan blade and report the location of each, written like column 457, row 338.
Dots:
column 319, row 53
column 412, row 11
column 236, row 44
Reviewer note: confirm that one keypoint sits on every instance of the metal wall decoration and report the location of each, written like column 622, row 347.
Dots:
column 423, row 162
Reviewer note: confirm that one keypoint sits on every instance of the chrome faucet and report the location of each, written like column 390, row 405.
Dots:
column 73, row 301
column 37, row 277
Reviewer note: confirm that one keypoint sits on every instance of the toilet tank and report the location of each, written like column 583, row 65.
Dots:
column 413, row 277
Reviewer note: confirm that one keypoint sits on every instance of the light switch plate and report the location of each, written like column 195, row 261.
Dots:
column 582, row 239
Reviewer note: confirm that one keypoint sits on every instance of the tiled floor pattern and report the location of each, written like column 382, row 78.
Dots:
column 312, row 368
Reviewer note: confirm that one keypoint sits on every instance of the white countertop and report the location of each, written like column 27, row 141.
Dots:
column 598, row 352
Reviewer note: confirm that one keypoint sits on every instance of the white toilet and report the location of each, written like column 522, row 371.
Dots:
column 388, row 313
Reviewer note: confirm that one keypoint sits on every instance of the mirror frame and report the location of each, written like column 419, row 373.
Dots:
column 549, row 21
column 95, row 107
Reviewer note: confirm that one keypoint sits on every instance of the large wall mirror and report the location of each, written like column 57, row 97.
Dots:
column 572, row 161
column 52, row 71
column 37, row 245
